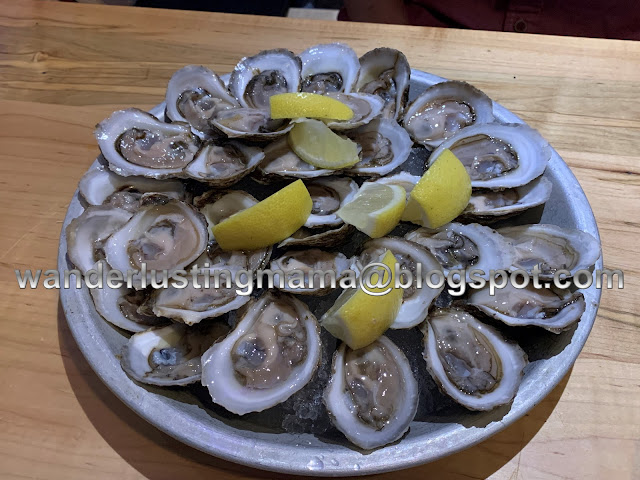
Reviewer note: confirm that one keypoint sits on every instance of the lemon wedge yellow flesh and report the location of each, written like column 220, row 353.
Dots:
column 359, row 318
column 376, row 209
column 318, row 145
column 267, row 222
column 309, row 105
column 441, row 194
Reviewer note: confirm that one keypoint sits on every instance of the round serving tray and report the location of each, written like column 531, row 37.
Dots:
column 180, row 414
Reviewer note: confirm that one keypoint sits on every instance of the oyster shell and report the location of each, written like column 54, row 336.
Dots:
column 328, row 195
column 196, row 95
column 225, row 164
column 312, row 264
column 329, row 68
column 272, row 353
column 470, row 247
column 318, row 237
column 385, row 72
column 552, row 247
column 493, row 205
column 403, row 179
column 254, row 124
column 281, row 162
column 372, row 395
column 550, row 308
column 419, row 262
column 87, row 234
column 170, row 355
column 471, row 361
column 444, row 109
column 498, row 156
column 269, row 72
column 137, row 143
column 99, row 186
column 365, row 107
column 385, row 145
column 163, row 236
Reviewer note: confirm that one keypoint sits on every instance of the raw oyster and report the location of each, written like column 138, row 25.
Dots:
column 498, row 156
column 99, row 186
column 417, row 297
column 493, row 205
column 269, row 72
column 552, row 247
column 550, row 308
column 329, row 68
column 164, row 236
column 225, row 164
column 137, row 143
column 273, row 352
column 444, row 109
column 216, row 206
column 365, row 107
column 471, row 361
column 385, row 146
column 87, row 234
column 311, row 264
column 318, row 237
column 328, row 195
column 471, row 247
column 372, row 396
column 385, row 72
column 404, row 179
column 281, row 162
column 251, row 123
column 170, row 355
column 196, row 95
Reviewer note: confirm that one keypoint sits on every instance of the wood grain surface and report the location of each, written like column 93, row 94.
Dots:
column 64, row 67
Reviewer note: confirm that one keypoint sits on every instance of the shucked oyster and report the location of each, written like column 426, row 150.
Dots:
column 372, row 396
column 310, row 267
column 100, row 185
column 224, row 164
column 552, row 248
column 366, row 107
column 550, row 308
column 269, row 72
column 272, row 353
column 137, row 143
column 280, row 161
column 167, row 235
column 493, row 205
column 471, row 247
column 443, row 109
column 498, row 156
column 385, row 72
column 329, row 68
column 418, row 261
column 385, row 145
column 471, row 361
column 196, row 95
column 169, row 355
column 328, row 195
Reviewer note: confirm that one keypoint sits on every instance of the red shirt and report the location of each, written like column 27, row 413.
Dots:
column 583, row 18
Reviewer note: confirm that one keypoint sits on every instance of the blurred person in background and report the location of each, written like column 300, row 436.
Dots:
column 584, row 18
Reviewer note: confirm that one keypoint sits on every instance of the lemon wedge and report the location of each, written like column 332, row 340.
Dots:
column 441, row 194
column 358, row 318
column 318, row 145
column 309, row 105
column 376, row 209
column 267, row 222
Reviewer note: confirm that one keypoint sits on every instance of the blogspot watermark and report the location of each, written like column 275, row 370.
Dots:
column 375, row 279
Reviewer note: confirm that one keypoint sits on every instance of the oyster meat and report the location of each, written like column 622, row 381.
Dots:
column 550, row 308
column 222, row 165
column 444, row 109
column 170, row 355
column 273, row 352
column 372, row 396
column 329, row 68
column 328, row 195
column 471, row 361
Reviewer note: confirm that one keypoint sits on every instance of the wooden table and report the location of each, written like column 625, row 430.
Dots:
column 64, row 67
